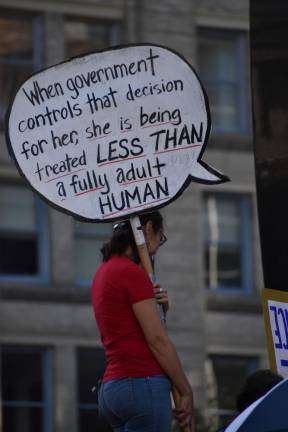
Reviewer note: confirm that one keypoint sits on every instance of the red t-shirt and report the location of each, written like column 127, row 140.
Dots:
column 117, row 285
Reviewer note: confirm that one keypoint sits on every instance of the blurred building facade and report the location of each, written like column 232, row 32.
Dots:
column 51, row 354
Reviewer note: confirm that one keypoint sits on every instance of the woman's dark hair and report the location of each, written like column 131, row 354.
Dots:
column 123, row 237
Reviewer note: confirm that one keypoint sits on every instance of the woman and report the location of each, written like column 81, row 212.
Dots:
column 141, row 360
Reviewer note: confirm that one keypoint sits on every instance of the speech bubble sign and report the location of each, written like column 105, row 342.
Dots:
column 113, row 133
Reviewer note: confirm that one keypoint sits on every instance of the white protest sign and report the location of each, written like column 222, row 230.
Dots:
column 275, row 305
column 112, row 133
column 278, row 312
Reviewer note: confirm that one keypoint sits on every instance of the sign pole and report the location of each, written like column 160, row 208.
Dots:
column 147, row 265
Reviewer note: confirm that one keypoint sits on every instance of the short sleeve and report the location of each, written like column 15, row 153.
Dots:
column 137, row 284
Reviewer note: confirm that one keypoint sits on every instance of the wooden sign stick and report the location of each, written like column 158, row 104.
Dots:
column 147, row 265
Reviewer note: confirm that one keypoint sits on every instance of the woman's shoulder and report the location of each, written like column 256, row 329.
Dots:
column 116, row 268
column 124, row 265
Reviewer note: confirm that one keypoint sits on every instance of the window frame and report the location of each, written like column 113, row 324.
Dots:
column 240, row 39
column 252, row 362
column 37, row 60
column 42, row 232
column 245, row 244
column 97, row 237
column 46, row 356
column 96, row 357
column 115, row 28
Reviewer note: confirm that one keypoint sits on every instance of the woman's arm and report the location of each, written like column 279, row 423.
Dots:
column 165, row 353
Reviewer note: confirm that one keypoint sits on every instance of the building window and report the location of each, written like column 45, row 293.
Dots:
column 88, row 239
column 90, row 367
column 26, row 389
column 84, row 36
column 23, row 235
column 230, row 373
column 223, row 69
column 21, row 51
column 227, row 230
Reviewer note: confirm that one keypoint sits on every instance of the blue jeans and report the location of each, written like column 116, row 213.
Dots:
column 137, row 404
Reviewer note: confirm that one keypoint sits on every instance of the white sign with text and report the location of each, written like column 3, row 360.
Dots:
column 278, row 316
column 112, row 133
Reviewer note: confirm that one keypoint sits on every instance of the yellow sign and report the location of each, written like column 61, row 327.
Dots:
column 275, row 309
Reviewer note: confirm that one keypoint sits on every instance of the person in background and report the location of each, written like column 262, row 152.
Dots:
column 142, row 362
column 256, row 385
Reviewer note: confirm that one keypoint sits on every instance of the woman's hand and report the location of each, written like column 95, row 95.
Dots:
column 184, row 411
column 161, row 296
